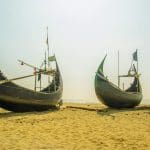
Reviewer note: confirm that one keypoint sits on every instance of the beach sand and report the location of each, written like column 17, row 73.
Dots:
column 87, row 127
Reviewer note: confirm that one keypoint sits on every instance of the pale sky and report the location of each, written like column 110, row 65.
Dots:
column 81, row 32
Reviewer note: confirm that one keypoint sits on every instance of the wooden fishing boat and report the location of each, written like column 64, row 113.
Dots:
column 19, row 99
column 112, row 95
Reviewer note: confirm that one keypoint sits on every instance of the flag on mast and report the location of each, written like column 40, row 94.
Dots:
column 47, row 37
column 52, row 58
column 47, row 46
column 135, row 57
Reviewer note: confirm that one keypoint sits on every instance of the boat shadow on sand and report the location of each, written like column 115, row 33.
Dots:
column 8, row 114
column 105, row 111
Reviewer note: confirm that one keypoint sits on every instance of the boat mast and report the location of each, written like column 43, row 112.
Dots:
column 137, row 61
column 35, row 79
column 118, row 71
column 48, row 48
column 137, row 70
column 49, row 63
column 45, row 61
column 48, row 57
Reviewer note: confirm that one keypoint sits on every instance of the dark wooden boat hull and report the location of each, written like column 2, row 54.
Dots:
column 112, row 96
column 16, row 98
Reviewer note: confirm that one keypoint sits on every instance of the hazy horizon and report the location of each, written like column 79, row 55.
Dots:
column 81, row 32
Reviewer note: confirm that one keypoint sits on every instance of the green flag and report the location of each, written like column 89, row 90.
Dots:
column 51, row 58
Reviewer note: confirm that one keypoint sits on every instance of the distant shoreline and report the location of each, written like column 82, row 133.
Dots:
column 143, row 102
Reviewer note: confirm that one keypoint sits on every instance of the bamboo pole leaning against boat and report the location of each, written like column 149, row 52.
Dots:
column 27, row 76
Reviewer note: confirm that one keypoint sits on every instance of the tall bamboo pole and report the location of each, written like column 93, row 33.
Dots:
column 118, row 71
column 48, row 58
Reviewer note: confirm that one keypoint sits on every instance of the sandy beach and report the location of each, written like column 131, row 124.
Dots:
column 76, row 127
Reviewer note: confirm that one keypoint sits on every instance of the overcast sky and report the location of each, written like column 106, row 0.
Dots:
column 81, row 32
